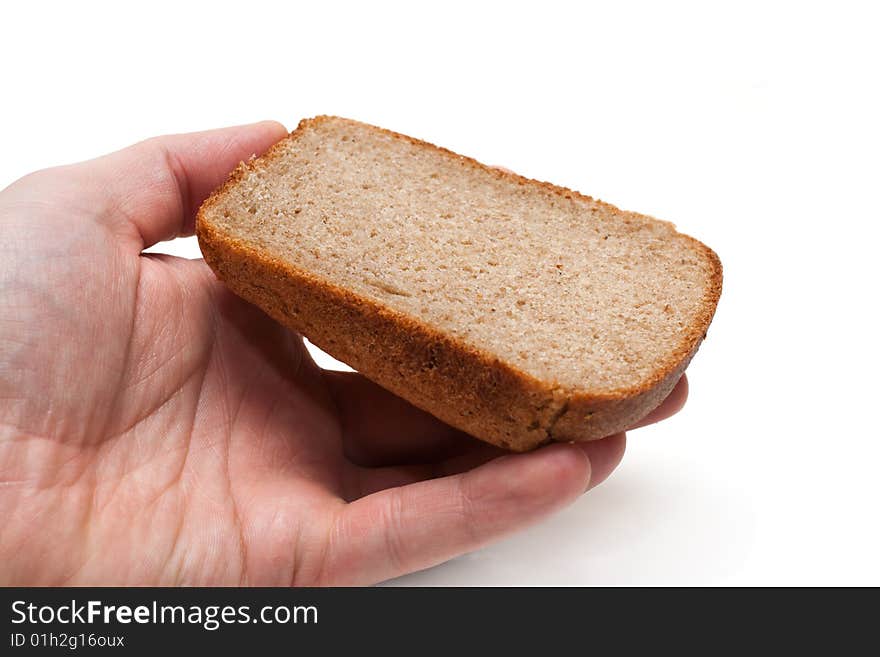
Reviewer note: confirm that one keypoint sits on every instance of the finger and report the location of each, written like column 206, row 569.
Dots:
column 605, row 455
column 379, row 428
column 157, row 186
column 408, row 528
column 673, row 403
column 365, row 481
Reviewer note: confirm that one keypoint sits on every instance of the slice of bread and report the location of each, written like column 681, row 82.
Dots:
column 515, row 310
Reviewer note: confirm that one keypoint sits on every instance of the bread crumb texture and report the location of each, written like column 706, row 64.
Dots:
column 570, row 305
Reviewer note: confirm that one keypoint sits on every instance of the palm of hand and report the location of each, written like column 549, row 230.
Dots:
column 155, row 429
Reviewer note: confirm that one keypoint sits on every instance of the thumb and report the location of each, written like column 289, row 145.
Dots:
column 151, row 191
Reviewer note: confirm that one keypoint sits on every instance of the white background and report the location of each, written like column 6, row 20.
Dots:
column 753, row 127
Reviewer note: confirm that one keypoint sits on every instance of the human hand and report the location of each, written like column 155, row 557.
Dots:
column 155, row 429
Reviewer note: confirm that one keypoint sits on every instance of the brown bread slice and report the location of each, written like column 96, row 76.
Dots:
column 512, row 309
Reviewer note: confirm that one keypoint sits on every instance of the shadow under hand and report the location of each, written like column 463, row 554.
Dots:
column 643, row 527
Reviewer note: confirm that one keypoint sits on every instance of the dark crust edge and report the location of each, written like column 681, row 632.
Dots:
column 463, row 386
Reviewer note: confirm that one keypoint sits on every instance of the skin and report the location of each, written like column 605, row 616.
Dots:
column 155, row 429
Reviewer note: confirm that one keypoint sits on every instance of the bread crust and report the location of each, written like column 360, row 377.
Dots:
column 465, row 387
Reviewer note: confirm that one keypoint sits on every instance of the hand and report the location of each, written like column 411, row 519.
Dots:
column 155, row 429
